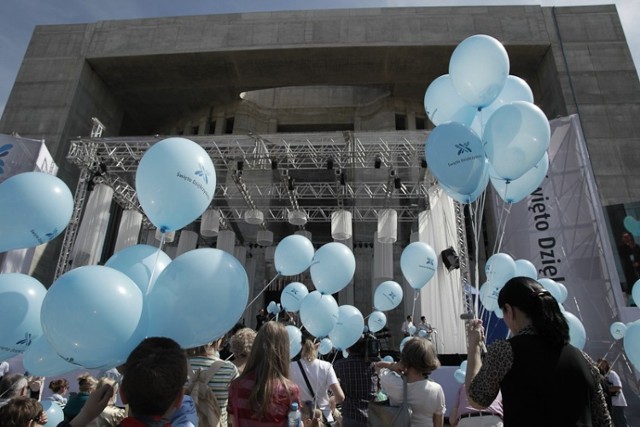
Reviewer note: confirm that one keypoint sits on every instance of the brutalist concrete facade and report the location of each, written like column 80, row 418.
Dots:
column 357, row 69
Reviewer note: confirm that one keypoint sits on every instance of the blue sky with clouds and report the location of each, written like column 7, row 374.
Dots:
column 19, row 17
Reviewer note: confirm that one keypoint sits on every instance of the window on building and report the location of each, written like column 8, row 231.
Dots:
column 401, row 122
column 195, row 130
column 421, row 123
column 228, row 125
column 212, row 127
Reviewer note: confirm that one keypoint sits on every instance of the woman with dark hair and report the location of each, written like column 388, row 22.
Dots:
column 544, row 380
column 425, row 397
column 263, row 394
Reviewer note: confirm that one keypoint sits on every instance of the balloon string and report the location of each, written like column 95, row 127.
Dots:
column 415, row 298
column 155, row 264
column 263, row 289
column 610, row 347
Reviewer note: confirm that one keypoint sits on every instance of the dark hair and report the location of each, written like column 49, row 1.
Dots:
column 539, row 305
column 154, row 376
column 11, row 385
column 420, row 354
column 19, row 411
column 57, row 385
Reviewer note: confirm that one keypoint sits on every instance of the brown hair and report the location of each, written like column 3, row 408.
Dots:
column 20, row 411
column 269, row 363
column 86, row 383
column 420, row 354
column 58, row 385
column 242, row 341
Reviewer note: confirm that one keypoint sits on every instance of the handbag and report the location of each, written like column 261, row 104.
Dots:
column 383, row 414
column 325, row 422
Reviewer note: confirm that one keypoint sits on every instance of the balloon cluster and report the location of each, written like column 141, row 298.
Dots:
column 487, row 127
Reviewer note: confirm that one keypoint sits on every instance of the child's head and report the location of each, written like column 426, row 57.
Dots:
column 154, row 377
column 21, row 411
column 59, row 386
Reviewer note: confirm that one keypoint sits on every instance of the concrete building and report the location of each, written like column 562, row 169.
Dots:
column 351, row 81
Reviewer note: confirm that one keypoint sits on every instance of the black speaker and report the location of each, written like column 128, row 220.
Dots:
column 450, row 259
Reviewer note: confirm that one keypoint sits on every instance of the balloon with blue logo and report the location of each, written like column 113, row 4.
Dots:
column 175, row 182
column 632, row 343
column 348, row 328
column 376, row 321
column 465, row 199
column 21, row 298
column 319, row 313
column 455, row 155
column 443, row 104
column 515, row 89
column 293, row 255
column 54, row 412
column 198, row 298
column 292, row 296
column 92, row 316
column 517, row 189
column 479, row 67
column 141, row 263
column 332, row 268
column 489, row 293
column 618, row 329
column 325, row 346
column 525, row 268
column 388, row 295
column 499, row 268
column 295, row 340
column 36, row 208
column 418, row 263
column 516, row 137
column 41, row 359
column 577, row 333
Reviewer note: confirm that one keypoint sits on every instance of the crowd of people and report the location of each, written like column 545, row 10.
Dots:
column 254, row 382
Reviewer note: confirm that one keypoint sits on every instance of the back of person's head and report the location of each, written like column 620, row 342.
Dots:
column 603, row 366
column 58, row 386
column 114, row 386
column 242, row 341
column 269, row 363
column 420, row 354
column 309, row 350
column 539, row 306
column 86, row 383
column 13, row 385
column 424, row 319
column 20, row 411
column 154, row 376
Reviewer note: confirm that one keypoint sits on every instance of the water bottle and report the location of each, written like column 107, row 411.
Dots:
column 295, row 417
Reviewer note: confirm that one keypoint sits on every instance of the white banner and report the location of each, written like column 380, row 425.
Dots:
column 560, row 228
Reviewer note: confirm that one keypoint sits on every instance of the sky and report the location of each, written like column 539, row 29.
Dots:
column 18, row 18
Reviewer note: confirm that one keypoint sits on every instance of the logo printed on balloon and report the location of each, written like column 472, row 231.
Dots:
column 27, row 339
column 203, row 173
column 463, row 148
column 4, row 150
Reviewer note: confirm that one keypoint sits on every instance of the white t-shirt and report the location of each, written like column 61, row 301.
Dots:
column 4, row 368
column 321, row 376
column 425, row 397
column 614, row 379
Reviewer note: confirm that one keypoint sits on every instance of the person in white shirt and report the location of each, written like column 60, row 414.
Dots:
column 618, row 401
column 406, row 325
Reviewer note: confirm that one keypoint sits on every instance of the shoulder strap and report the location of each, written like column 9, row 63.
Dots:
column 206, row 374
column 306, row 380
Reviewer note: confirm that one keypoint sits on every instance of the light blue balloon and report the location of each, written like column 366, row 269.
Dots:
column 388, row 358
column 376, row 321
column 563, row 293
column 325, row 346
column 293, row 255
column 515, row 190
column 319, row 313
column 175, row 182
column 577, row 333
column 470, row 198
column 92, row 316
column 618, row 330
column 459, row 376
column 21, row 299
column 443, row 104
column 632, row 225
column 388, row 296
column 418, row 263
column 422, row 333
column 273, row 308
column 348, row 328
column 499, row 268
column 198, row 298
column 525, row 268
column 515, row 89
column 489, row 293
column 292, row 296
column 635, row 291
column 332, row 267
column 632, row 343
column 551, row 286
column 455, row 155
column 411, row 330
column 36, row 208
column 295, row 340
column 141, row 263
column 516, row 137
column 463, row 366
column 41, row 359
column 479, row 67
column 404, row 342
column 54, row 413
